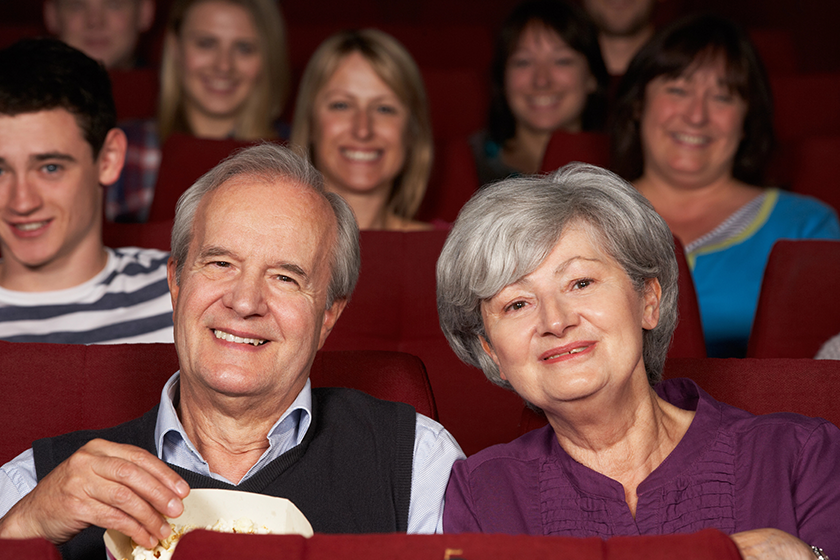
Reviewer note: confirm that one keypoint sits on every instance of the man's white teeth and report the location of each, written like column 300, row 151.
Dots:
column 31, row 226
column 690, row 138
column 361, row 155
column 238, row 339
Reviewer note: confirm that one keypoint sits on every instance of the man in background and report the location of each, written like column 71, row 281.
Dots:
column 105, row 30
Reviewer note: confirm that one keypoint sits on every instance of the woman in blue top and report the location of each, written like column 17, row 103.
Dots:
column 693, row 131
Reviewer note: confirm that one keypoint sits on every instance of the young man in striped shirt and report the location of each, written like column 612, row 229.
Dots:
column 59, row 146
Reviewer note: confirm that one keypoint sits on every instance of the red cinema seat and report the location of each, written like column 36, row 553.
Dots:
column 761, row 386
column 185, row 158
column 30, row 549
column 688, row 340
column 52, row 389
column 566, row 147
column 817, row 169
column 151, row 235
column 708, row 544
column 806, row 105
column 776, row 48
column 453, row 182
column 135, row 93
column 458, row 100
column 799, row 302
column 394, row 307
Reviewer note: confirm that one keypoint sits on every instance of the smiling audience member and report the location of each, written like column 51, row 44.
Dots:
column 224, row 74
column 564, row 289
column 263, row 263
column 547, row 75
column 58, row 147
column 361, row 114
column 694, row 131
column 105, row 30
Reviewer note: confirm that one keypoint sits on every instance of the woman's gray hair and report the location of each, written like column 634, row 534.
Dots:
column 508, row 229
column 271, row 162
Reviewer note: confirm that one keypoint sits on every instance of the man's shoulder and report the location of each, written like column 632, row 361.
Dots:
column 346, row 401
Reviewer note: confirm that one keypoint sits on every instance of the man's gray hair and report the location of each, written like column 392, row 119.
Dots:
column 508, row 229
column 271, row 162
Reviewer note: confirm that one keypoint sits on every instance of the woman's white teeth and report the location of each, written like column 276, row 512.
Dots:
column 31, row 226
column 572, row 351
column 238, row 339
column 361, row 155
column 543, row 100
column 690, row 138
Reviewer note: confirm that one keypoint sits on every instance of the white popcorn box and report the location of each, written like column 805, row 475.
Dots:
column 205, row 507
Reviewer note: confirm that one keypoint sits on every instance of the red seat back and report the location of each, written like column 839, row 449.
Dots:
column 806, row 104
column 708, row 544
column 30, row 549
column 135, row 93
column 151, row 235
column 185, row 158
column 566, row 147
column 52, row 389
column 798, row 305
column 453, row 182
column 817, row 169
column 688, row 340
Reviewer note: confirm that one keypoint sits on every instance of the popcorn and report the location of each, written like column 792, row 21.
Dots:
column 166, row 547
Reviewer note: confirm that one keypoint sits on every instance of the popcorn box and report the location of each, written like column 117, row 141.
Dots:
column 205, row 507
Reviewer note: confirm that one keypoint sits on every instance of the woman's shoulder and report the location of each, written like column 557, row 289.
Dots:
column 532, row 446
column 807, row 216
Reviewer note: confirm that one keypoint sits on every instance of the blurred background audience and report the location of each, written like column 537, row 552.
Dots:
column 361, row 114
column 547, row 75
column 694, row 131
column 105, row 30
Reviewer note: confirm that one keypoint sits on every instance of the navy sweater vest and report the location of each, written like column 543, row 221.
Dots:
column 350, row 474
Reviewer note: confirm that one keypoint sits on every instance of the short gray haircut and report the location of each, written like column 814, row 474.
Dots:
column 508, row 229
column 271, row 162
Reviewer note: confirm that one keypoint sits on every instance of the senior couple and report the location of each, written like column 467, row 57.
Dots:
column 562, row 288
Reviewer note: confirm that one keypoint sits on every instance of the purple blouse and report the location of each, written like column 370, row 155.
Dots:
column 732, row 471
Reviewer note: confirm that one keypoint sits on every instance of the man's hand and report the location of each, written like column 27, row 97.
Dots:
column 107, row 484
column 771, row 544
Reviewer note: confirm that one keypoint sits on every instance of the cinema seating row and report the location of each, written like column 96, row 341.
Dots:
column 708, row 544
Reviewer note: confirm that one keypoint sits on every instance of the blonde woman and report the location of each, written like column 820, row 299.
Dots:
column 224, row 74
column 361, row 114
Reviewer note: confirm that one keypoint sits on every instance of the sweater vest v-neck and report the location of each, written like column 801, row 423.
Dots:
column 350, row 474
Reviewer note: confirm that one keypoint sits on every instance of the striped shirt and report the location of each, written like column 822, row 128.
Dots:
column 128, row 301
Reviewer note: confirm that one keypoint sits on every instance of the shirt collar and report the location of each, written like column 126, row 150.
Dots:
column 294, row 421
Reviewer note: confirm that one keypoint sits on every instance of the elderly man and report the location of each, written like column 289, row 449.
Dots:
column 105, row 30
column 263, row 263
column 59, row 147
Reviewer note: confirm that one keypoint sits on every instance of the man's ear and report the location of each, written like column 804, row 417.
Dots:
column 331, row 316
column 145, row 15
column 170, row 279
column 51, row 17
column 112, row 157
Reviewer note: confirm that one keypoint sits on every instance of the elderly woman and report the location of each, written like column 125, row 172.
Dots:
column 547, row 75
column 693, row 131
column 361, row 114
column 564, row 289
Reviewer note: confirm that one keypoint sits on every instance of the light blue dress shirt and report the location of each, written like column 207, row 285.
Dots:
column 434, row 452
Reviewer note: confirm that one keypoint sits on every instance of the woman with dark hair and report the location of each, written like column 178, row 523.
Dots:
column 547, row 75
column 693, row 130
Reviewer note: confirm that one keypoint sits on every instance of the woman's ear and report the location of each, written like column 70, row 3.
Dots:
column 652, row 298
column 488, row 349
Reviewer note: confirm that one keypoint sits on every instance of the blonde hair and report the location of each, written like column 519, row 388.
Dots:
column 272, row 88
column 394, row 65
